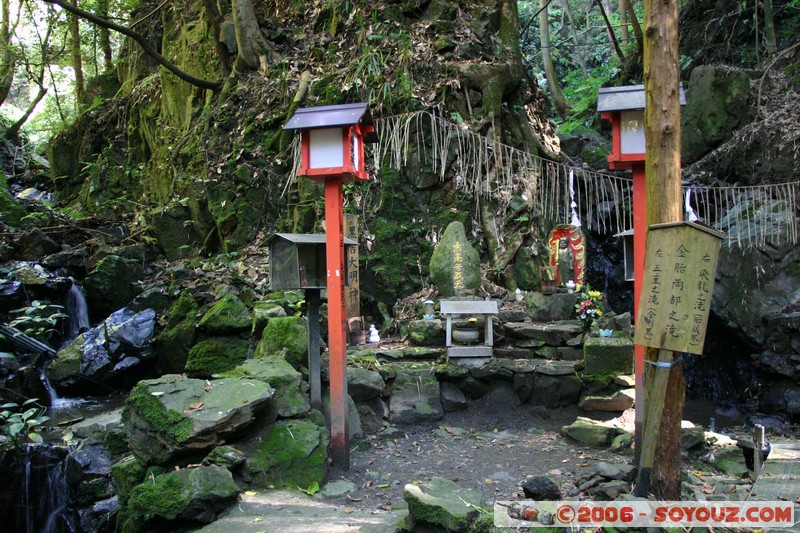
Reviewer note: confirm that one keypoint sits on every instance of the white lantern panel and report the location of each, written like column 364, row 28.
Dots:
column 632, row 132
column 325, row 148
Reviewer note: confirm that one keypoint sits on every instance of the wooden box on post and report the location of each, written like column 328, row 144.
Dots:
column 297, row 261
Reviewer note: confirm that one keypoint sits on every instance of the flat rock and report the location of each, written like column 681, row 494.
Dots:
column 620, row 401
column 592, row 432
column 415, row 397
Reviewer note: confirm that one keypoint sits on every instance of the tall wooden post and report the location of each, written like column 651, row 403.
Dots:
column 663, row 169
column 337, row 340
column 639, row 240
column 314, row 378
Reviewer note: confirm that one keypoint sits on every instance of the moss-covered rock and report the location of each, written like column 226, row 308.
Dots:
column 592, row 432
column 416, row 397
column 10, row 211
column 193, row 495
column 126, row 474
column 608, row 356
column 112, row 284
column 289, row 399
column 216, row 356
column 179, row 333
column 285, row 337
column 262, row 312
column 173, row 416
column 455, row 264
column 228, row 315
column 426, row 332
column 441, row 502
column 293, row 454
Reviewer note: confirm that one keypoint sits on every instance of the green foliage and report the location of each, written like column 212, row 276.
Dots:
column 582, row 94
column 38, row 320
column 20, row 424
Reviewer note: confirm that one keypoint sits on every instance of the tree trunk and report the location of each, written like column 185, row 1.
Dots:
column 105, row 37
column 769, row 28
column 253, row 48
column 77, row 60
column 637, row 29
column 623, row 21
column 7, row 62
column 611, row 35
column 559, row 100
column 663, row 170
column 573, row 30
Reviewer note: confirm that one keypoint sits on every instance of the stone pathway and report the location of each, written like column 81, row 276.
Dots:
column 259, row 512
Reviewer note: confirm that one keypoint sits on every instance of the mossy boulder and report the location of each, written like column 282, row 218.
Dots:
column 441, row 502
column 176, row 231
column 285, row 337
column 364, row 384
column 262, row 312
column 179, row 334
column 175, row 416
column 188, row 496
column 608, row 356
column 10, row 211
column 455, row 264
column 112, row 284
column 294, row 453
column 289, row 399
column 216, row 355
column 426, row 332
column 228, row 315
column 126, row 474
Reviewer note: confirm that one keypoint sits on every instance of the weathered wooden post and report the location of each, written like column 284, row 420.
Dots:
column 673, row 313
column 332, row 151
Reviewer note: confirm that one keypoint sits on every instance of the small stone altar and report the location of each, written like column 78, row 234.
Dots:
column 469, row 355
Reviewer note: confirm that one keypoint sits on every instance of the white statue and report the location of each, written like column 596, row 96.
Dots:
column 373, row 334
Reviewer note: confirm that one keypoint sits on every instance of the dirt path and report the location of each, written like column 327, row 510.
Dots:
column 485, row 449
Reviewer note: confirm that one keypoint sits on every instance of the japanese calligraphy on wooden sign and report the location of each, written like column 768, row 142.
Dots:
column 678, row 281
column 352, row 290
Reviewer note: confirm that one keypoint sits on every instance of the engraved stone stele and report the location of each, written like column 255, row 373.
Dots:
column 455, row 264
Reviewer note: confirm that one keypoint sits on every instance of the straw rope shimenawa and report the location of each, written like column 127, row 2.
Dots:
column 489, row 170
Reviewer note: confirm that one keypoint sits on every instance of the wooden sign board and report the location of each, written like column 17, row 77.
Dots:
column 678, row 281
column 352, row 290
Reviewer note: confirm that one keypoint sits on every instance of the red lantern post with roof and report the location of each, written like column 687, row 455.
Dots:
column 623, row 109
column 332, row 151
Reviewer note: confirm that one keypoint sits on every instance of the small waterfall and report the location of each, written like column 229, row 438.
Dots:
column 77, row 310
column 38, row 478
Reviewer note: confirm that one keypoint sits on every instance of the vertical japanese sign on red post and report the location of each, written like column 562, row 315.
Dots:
column 332, row 151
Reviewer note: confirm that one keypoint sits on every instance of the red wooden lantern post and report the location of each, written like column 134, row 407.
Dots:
column 623, row 108
column 332, row 151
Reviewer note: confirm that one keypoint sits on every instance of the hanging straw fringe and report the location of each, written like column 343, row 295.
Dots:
column 487, row 169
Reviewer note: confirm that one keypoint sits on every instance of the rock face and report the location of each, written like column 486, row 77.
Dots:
column 717, row 104
column 216, row 355
column 455, row 264
column 174, row 416
column 192, row 495
column 178, row 335
column 117, row 348
column 442, row 503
